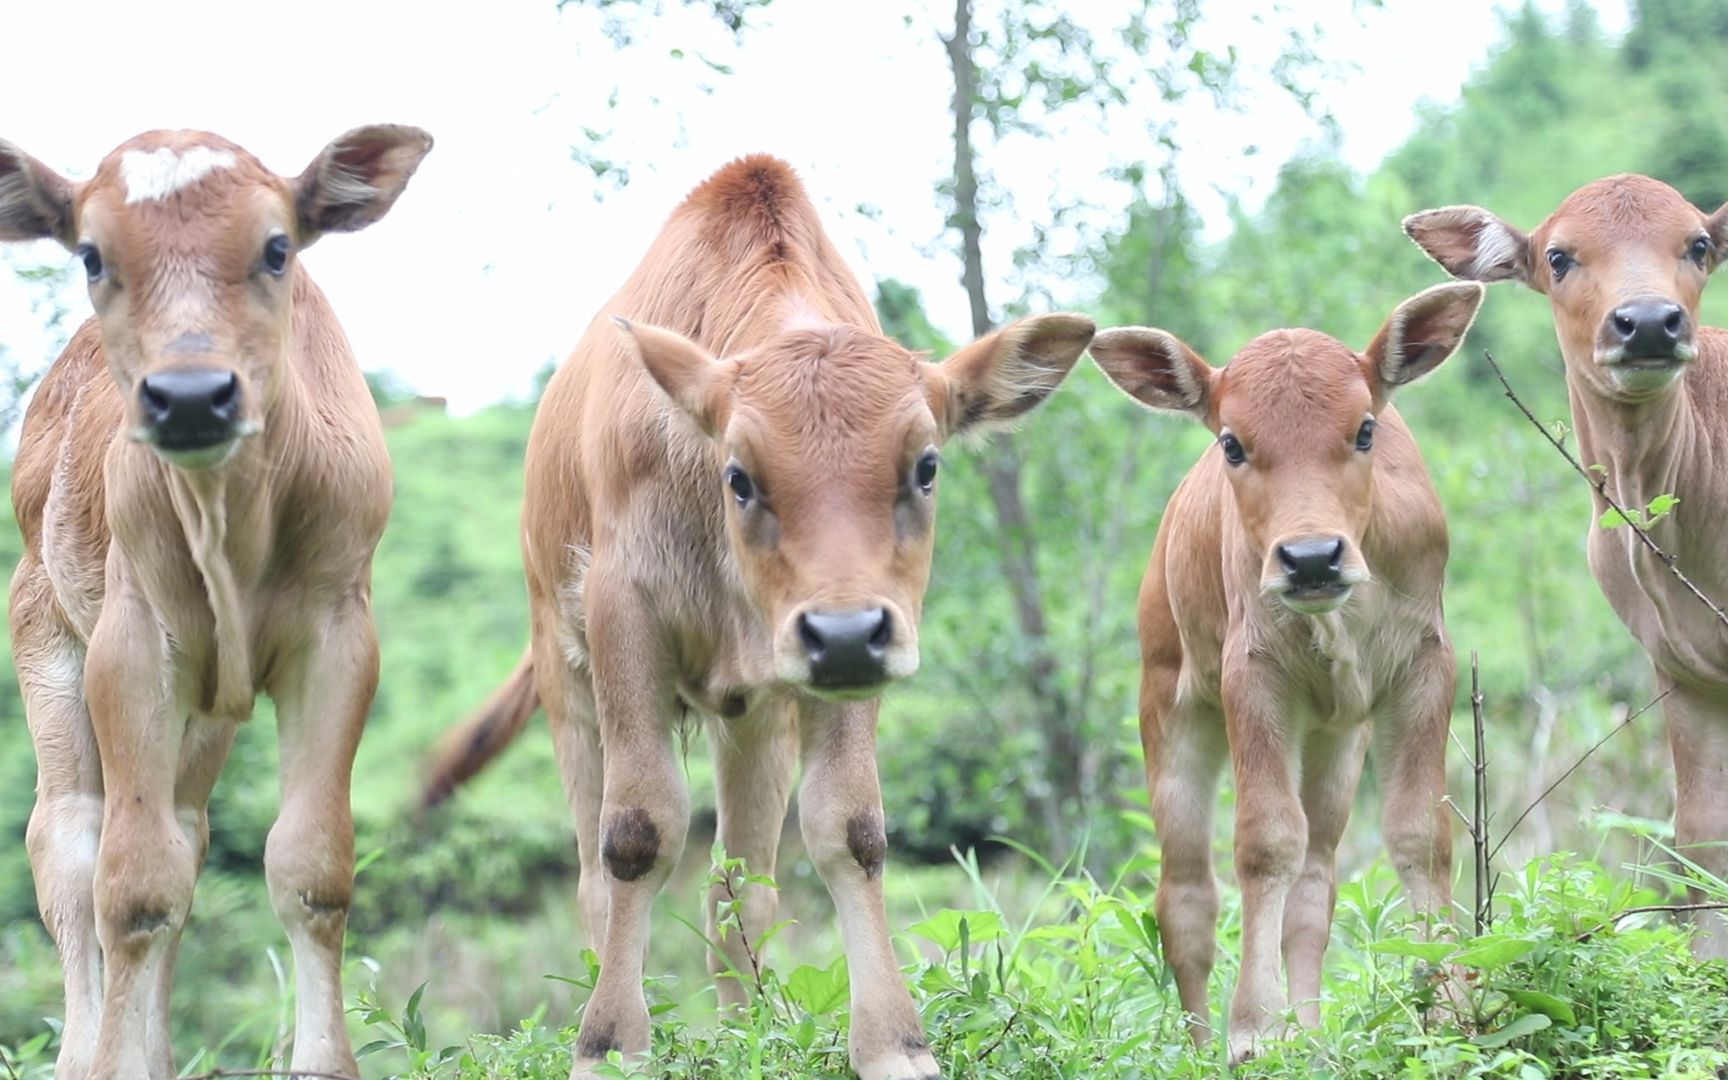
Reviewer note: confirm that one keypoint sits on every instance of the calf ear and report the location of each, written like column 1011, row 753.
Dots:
column 1717, row 223
column 1471, row 243
column 694, row 380
column 355, row 180
column 1155, row 368
column 35, row 201
column 1004, row 375
column 1422, row 332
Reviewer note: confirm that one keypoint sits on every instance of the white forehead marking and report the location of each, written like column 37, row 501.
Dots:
column 157, row 174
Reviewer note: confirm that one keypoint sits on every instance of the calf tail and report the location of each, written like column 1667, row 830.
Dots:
column 466, row 749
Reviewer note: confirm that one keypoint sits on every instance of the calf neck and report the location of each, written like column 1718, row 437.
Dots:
column 200, row 481
column 1289, row 619
column 1624, row 261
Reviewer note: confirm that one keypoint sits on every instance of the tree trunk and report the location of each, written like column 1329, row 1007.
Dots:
column 1017, row 543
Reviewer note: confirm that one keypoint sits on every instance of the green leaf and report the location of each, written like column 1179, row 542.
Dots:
column 819, row 991
column 1433, row 952
column 1493, row 951
column 943, row 928
column 1528, row 1024
column 1613, row 519
column 1546, row 1004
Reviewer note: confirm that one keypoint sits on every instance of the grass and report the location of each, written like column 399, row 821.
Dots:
column 1028, row 970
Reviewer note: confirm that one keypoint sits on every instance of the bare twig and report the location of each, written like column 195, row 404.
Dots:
column 1714, row 905
column 1574, row 768
column 7, row 1061
column 1006, row 1028
column 1479, row 821
column 1675, row 909
column 744, row 938
column 1600, row 484
column 298, row 1074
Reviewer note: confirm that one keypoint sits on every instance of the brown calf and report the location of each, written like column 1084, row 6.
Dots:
column 200, row 482
column 730, row 512
column 1293, row 597
column 1624, row 262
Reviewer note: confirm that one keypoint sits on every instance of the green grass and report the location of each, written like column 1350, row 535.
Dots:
column 1025, row 970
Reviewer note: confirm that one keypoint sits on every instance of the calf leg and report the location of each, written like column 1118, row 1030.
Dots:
column 1331, row 769
column 146, row 866
column 644, row 813
column 568, row 697
column 1271, row 841
column 203, row 751
column 1410, row 760
column 66, row 823
column 1698, row 735
column 753, row 763
column 322, row 698
column 1185, row 752
column 840, row 811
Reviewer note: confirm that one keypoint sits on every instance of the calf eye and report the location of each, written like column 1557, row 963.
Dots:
column 1700, row 250
column 1233, row 452
column 924, row 473
column 92, row 261
column 1365, row 435
column 739, row 481
column 276, row 255
column 1559, row 262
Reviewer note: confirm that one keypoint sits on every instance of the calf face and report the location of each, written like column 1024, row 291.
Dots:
column 1623, row 261
column 1300, row 466
column 189, row 244
column 831, row 439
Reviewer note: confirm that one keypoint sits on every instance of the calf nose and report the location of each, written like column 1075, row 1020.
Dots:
column 190, row 408
column 1312, row 562
column 846, row 648
column 1649, row 328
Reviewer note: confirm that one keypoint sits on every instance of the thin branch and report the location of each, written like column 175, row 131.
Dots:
column 7, row 1061
column 743, row 938
column 1479, row 821
column 219, row 1074
column 1574, row 768
column 1006, row 1028
column 1600, row 484
column 1714, row 905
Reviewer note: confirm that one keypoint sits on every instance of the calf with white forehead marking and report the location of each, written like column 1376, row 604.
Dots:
column 1623, row 262
column 1289, row 619
column 200, row 480
column 731, row 509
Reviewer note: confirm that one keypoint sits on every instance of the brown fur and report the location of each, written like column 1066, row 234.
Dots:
column 740, row 341
column 1651, row 434
column 157, row 596
column 1292, row 699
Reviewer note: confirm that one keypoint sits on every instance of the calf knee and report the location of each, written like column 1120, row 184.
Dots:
column 1270, row 848
column 310, row 876
column 632, row 845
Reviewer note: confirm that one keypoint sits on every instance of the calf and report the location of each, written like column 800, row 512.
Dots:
column 200, row 481
column 1624, row 262
column 1290, row 617
column 730, row 512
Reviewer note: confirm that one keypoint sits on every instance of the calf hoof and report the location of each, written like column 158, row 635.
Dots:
column 1246, row 1045
column 910, row 1065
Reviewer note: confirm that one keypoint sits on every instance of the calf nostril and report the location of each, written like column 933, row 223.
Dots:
column 1673, row 322
column 1624, row 324
column 1335, row 558
column 1290, row 564
column 814, row 645
column 223, row 398
column 156, row 403
column 884, row 632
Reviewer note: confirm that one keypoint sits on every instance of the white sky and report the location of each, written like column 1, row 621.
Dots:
column 500, row 251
